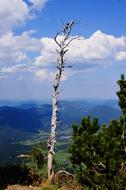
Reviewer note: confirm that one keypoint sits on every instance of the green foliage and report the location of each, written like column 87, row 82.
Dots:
column 122, row 94
column 83, row 150
column 37, row 161
column 38, row 157
column 98, row 154
column 122, row 102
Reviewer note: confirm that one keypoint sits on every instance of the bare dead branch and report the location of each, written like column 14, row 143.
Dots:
column 55, row 38
column 63, row 44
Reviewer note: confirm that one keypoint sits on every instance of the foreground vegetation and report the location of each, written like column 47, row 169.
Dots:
column 97, row 158
column 98, row 154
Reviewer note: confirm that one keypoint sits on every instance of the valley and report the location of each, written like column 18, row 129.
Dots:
column 24, row 125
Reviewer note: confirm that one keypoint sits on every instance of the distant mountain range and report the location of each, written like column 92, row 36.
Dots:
column 22, row 120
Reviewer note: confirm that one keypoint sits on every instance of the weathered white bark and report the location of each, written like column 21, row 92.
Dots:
column 63, row 48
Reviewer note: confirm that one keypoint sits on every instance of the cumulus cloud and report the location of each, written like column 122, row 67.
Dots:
column 97, row 49
column 12, row 13
column 14, row 49
column 44, row 74
column 38, row 4
column 84, row 54
column 48, row 53
column 121, row 56
column 15, row 53
column 16, row 12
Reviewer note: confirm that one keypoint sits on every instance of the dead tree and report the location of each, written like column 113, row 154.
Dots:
column 63, row 41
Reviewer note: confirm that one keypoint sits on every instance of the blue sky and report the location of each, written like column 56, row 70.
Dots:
column 27, row 48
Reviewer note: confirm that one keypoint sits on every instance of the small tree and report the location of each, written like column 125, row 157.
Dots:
column 83, row 151
column 98, row 154
column 122, row 94
column 37, row 162
column 63, row 40
column 122, row 103
column 110, row 155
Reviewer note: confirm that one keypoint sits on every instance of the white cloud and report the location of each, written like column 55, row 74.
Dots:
column 47, row 74
column 14, row 69
column 12, row 13
column 14, row 49
column 15, row 53
column 97, row 49
column 38, row 4
column 48, row 53
column 84, row 54
column 121, row 56
column 27, row 42
column 43, row 74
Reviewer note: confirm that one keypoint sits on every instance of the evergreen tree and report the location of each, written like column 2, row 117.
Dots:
column 98, row 154
column 110, row 155
column 122, row 94
column 83, row 151
column 122, row 103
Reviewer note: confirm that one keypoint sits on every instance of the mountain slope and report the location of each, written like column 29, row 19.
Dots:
column 104, row 113
column 23, row 123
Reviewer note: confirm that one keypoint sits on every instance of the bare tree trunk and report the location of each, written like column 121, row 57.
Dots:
column 63, row 48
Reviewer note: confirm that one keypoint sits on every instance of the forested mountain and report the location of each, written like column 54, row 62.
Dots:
column 19, row 122
column 32, row 117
